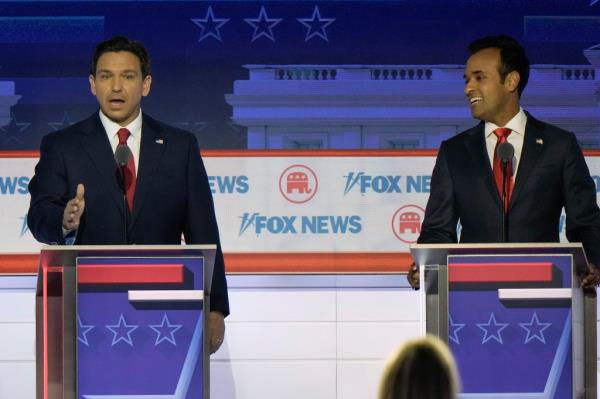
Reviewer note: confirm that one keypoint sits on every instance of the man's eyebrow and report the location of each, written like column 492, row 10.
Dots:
column 123, row 71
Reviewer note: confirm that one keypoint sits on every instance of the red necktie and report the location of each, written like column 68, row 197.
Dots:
column 129, row 172
column 502, row 134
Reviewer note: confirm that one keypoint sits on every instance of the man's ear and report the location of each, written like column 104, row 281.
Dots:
column 146, row 83
column 512, row 81
column 92, row 84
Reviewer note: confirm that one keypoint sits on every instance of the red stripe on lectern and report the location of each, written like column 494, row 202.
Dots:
column 45, row 330
column 500, row 272
column 130, row 274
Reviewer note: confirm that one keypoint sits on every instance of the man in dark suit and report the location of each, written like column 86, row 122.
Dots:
column 548, row 170
column 77, row 195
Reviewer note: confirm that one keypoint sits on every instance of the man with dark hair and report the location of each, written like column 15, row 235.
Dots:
column 76, row 196
column 512, row 57
column 546, row 173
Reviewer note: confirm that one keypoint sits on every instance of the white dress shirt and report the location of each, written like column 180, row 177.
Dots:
column 517, row 125
column 134, row 140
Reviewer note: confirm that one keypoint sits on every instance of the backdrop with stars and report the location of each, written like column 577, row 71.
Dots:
column 198, row 49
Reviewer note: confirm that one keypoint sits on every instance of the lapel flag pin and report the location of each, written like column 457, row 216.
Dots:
column 159, row 141
column 539, row 141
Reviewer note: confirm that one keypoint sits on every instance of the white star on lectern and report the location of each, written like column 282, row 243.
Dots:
column 210, row 25
column 122, row 331
column 263, row 25
column 165, row 331
column 454, row 329
column 82, row 331
column 535, row 329
column 316, row 25
column 494, row 327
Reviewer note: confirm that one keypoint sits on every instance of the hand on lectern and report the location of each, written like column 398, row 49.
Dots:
column 216, row 330
column 413, row 276
column 591, row 278
column 74, row 210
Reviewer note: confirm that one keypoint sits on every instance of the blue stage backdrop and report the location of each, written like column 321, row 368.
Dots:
column 199, row 49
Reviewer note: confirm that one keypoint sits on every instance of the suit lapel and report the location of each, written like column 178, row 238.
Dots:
column 152, row 148
column 94, row 142
column 478, row 151
column 530, row 153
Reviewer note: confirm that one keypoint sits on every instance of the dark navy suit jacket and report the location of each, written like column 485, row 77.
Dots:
column 551, row 174
column 172, row 192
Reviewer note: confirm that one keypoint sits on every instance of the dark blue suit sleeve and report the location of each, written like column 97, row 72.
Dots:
column 581, row 207
column 440, row 221
column 49, row 194
column 201, row 224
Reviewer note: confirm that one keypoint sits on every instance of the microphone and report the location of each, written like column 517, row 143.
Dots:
column 505, row 152
column 122, row 155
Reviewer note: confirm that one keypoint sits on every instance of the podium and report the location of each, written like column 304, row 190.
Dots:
column 123, row 322
column 514, row 317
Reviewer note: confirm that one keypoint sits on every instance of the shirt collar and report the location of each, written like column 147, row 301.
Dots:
column 111, row 127
column 516, row 124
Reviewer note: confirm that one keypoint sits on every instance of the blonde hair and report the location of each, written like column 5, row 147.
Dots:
column 421, row 369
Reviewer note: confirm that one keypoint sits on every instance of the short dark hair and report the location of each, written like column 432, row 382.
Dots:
column 121, row 43
column 512, row 56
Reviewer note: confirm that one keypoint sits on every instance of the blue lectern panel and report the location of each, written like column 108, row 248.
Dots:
column 514, row 347
column 139, row 348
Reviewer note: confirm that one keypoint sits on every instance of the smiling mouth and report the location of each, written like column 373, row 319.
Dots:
column 475, row 100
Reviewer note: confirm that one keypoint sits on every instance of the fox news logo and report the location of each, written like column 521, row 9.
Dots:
column 406, row 223
column 386, row 184
column 298, row 184
column 321, row 224
column 378, row 184
column 11, row 185
column 228, row 184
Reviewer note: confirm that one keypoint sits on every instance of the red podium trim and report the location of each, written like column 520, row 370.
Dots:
column 130, row 274
column 500, row 272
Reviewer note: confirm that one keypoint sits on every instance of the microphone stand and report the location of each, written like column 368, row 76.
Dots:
column 504, row 202
column 125, row 203
column 122, row 156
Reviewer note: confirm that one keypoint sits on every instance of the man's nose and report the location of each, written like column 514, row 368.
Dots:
column 469, row 87
column 116, row 84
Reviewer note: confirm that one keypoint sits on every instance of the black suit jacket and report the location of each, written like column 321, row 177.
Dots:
column 172, row 192
column 551, row 174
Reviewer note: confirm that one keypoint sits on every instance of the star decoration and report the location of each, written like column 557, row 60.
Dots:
column 192, row 126
column 535, row 329
column 13, row 130
column 263, row 25
column 210, row 25
column 82, row 331
column 454, row 329
column 165, row 331
column 65, row 122
column 24, row 227
column 316, row 25
column 492, row 329
column 122, row 331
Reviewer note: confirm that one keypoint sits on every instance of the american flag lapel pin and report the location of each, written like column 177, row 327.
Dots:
column 539, row 141
column 159, row 141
